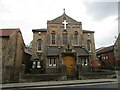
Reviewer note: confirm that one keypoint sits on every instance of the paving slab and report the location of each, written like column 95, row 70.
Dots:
column 55, row 83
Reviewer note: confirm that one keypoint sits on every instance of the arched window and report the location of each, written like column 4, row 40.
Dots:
column 39, row 45
column 76, row 38
column 53, row 37
column 89, row 45
column 64, row 37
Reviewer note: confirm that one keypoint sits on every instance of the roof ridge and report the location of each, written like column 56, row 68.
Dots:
column 10, row 29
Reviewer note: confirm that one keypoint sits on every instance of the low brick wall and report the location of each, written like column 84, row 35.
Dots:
column 41, row 77
column 97, row 75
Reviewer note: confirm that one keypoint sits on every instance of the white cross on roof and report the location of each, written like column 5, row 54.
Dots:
column 65, row 24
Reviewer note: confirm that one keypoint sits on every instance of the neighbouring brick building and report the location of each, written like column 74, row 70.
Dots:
column 13, row 54
column 63, row 48
column 107, row 57
column 117, row 50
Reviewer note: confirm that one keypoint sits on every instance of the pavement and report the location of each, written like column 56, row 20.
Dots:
column 55, row 83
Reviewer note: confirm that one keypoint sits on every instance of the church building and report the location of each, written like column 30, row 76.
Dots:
column 63, row 47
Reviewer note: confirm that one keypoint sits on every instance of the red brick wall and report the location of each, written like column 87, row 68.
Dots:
column 108, row 59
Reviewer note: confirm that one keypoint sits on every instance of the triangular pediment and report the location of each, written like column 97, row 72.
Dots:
column 62, row 18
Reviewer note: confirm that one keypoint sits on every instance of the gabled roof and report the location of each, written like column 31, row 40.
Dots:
column 39, row 30
column 99, row 49
column 105, row 50
column 60, row 19
column 7, row 32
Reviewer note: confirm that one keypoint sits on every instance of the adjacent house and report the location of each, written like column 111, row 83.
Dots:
column 117, row 51
column 106, row 56
column 13, row 53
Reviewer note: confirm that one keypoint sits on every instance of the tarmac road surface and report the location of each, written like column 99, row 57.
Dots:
column 106, row 86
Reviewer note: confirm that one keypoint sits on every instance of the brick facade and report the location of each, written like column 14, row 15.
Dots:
column 55, row 53
column 107, row 57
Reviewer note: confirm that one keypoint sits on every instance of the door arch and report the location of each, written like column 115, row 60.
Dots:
column 69, row 61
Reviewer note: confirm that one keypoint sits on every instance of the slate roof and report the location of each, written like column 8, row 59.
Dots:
column 7, row 32
column 27, row 51
column 39, row 30
column 53, row 51
column 81, row 51
column 87, row 31
column 105, row 50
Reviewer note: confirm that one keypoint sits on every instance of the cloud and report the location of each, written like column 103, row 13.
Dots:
column 101, row 10
column 105, row 31
column 33, row 14
column 3, row 8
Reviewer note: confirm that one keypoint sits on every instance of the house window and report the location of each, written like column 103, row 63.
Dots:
column 76, row 38
column 106, row 57
column 53, row 37
column 84, row 61
column 36, row 64
column 89, row 45
column 39, row 45
column 52, row 61
column 64, row 37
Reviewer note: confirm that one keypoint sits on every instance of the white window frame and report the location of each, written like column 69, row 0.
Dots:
column 52, row 61
column 54, row 64
column 84, row 60
column 106, row 57
column 49, row 60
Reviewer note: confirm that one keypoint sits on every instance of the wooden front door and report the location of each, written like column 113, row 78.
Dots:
column 70, row 64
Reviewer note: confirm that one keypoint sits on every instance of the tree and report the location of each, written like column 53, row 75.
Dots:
column 29, row 46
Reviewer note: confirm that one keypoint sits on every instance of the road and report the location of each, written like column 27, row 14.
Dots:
column 111, row 85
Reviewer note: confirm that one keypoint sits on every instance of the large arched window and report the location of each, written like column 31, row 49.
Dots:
column 53, row 37
column 39, row 45
column 89, row 45
column 64, row 37
column 76, row 38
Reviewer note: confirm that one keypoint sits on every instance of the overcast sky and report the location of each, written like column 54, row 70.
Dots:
column 33, row 14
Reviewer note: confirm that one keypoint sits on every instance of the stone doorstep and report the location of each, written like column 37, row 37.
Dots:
column 55, row 83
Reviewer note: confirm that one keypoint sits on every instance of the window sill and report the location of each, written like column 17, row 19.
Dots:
column 54, row 64
column 50, row 65
column 39, row 51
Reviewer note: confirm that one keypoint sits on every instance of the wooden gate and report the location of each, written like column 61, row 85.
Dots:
column 70, row 64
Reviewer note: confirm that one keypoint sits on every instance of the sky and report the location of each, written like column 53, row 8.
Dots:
column 95, row 15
